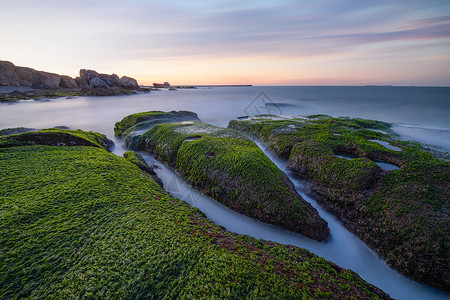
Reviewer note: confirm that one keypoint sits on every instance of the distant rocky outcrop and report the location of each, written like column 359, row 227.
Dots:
column 11, row 75
column 92, row 79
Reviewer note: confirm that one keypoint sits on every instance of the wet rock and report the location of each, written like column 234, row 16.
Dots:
column 16, row 130
column 139, row 161
column 400, row 213
column 57, row 137
column 226, row 166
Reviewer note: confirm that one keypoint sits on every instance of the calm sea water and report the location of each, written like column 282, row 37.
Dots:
column 417, row 113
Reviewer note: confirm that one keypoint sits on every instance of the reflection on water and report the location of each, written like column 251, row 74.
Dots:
column 386, row 166
column 219, row 105
column 387, row 145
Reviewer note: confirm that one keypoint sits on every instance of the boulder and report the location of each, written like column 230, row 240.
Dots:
column 129, row 83
column 44, row 80
column 8, row 75
column 98, row 83
column 91, row 79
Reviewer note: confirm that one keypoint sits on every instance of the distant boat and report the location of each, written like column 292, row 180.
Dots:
column 161, row 85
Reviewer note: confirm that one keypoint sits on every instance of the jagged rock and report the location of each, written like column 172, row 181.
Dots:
column 11, row 75
column 98, row 83
column 92, row 79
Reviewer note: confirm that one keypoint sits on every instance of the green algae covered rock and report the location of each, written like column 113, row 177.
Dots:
column 133, row 126
column 139, row 161
column 228, row 167
column 79, row 222
column 55, row 137
column 401, row 212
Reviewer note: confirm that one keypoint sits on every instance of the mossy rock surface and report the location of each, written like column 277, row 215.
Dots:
column 139, row 161
column 79, row 222
column 54, row 137
column 232, row 169
column 133, row 126
column 403, row 214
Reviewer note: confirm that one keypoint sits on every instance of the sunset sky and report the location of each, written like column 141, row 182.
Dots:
column 278, row 42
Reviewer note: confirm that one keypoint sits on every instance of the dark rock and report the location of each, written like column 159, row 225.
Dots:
column 67, row 83
column 98, row 83
column 8, row 75
column 16, row 130
column 139, row 161
column 56, row 137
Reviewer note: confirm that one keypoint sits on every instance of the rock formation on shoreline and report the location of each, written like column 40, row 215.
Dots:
column 11, row 75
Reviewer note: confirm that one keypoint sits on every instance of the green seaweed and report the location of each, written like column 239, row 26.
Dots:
column 401, row 213
column 54, row 136
column 79, row 222
column 232, row 169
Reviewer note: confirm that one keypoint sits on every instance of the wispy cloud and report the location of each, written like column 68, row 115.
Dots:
column 109, row 31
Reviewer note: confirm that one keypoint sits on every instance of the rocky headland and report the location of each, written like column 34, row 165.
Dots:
column 32, row 84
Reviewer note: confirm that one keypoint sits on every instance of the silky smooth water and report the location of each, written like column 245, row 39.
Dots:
column 419, row 113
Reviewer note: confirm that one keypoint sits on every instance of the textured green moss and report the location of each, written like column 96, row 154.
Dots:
column 148, row 119
column 79, row 222
column 403, row 214
column 57, row 137
column 232, row 169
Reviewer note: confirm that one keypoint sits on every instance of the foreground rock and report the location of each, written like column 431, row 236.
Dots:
column 224, row 165
column 79, row 222
column 88, row 83
column 53, row 137
column 402, row 212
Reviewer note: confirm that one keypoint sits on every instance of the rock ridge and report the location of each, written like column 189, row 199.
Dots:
column 12, row 75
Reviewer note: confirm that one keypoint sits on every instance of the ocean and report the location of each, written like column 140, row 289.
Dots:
column 417, row 113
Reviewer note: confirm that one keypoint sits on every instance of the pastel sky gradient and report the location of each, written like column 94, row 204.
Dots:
column 264, row 42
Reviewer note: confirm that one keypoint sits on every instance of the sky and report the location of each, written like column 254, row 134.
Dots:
column 264, row 42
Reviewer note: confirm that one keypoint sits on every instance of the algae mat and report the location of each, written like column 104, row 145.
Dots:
column 79, row 222
column 403, row 214
column 225, row 165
